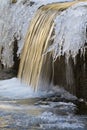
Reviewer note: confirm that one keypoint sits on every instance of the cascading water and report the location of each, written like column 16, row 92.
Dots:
column 45, row 58
column 36, row 44
column 36, row 66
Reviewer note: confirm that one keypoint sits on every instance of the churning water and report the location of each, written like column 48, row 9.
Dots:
column 23, row 109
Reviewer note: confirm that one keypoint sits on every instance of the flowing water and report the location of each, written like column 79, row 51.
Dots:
column 53, row 109
column 23, row 109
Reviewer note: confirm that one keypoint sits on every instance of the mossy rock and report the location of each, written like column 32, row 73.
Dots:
column 13, row 1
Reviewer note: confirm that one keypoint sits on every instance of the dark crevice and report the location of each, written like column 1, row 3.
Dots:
column 32, row 3
column 15, row 57
column 7, row 73
column 1, row 65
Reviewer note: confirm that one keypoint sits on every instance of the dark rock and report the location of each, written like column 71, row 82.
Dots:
column 32, row 3
column 13, row 1
column 7, row 74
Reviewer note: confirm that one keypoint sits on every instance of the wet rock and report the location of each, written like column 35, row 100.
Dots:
column 7, row 74
column 54, row 98
column 28, row 2
column 13, row 1
column 81, row 108
column 42, row 103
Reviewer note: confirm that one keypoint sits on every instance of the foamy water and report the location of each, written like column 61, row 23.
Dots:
column 18, row 112
column 14, row 89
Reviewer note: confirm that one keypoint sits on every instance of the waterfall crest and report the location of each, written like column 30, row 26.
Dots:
column 36, row 67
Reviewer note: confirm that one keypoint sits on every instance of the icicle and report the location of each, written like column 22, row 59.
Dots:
column 36, row 63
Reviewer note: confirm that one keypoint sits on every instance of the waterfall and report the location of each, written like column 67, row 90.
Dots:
column 36, row 43
column 36, row 66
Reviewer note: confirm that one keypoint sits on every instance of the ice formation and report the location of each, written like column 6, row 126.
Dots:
column 15, row 19
column 70, row 31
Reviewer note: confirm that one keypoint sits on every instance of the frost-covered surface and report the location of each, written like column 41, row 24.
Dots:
column 44, row 2
column 14, row 22
column 70, row 27
column 70, row 31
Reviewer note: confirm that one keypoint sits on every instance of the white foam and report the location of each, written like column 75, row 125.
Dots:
column 14, row 89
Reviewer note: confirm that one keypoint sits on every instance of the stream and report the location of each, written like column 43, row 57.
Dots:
column 23, row 109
